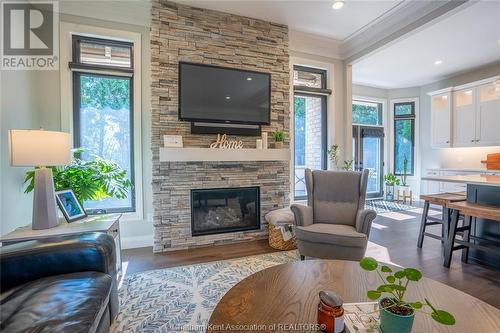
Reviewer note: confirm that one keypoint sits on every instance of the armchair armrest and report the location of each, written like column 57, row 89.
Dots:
column 303, row 214
column 364, row 220
column 30, row 260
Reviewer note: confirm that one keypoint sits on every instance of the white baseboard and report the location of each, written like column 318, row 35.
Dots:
column 137, row 241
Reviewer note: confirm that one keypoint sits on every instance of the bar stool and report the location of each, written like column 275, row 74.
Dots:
column 443, row 200
column 469, row 211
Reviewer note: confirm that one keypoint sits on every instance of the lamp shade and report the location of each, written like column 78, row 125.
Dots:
column 38, row 148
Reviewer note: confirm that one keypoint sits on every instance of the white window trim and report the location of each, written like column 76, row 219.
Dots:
column 67, row 30
column 330, row 111
column 385, row 125
column 416, row 175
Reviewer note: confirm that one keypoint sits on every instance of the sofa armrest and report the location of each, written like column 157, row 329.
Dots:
column 303, row 215
column 364, row 220
column 30, row 260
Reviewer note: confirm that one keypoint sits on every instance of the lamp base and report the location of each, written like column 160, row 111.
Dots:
column 44, row 200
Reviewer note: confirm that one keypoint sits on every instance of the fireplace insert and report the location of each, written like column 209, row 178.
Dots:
column 221, row 210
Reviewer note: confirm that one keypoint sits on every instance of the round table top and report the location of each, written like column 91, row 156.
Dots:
column 288, row 294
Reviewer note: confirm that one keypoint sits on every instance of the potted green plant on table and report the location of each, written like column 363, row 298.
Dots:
column 390, row 181
column 278, row 137
column 90, row 179
column 396, row 313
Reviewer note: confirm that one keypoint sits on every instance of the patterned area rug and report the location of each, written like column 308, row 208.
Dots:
column 382, row 206
column 181, row 299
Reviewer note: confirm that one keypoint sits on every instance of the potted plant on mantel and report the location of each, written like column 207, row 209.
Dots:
column 90, row 179
column 278, row 137
column 390, row 182
column 396, row 313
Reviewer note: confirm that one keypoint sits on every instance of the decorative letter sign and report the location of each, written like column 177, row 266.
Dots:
column 223, row 143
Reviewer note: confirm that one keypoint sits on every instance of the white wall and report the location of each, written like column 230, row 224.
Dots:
column 31, row 99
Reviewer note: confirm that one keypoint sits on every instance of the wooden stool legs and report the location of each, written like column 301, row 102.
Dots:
column 466, row 237
column 448, row 249
column 423, row 224
column 450, row 242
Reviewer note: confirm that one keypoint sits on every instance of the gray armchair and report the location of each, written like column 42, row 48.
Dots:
column 335, row 223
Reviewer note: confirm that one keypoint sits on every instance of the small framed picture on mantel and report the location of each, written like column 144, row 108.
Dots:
column 172, row 141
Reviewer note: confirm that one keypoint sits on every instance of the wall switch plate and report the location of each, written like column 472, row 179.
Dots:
column 172, row 141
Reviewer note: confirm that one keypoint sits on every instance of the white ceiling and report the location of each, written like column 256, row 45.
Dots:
column 465, row 40
column 312, row 16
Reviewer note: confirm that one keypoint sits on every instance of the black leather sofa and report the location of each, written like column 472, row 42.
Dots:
column 61, row 284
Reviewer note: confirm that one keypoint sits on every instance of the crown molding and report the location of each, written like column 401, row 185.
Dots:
column 409, row 17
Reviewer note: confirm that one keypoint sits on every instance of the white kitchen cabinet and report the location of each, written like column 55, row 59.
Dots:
column 464, row 117
column 467, row 115
column 488, row 115
column 441, row 118
column 431, row 187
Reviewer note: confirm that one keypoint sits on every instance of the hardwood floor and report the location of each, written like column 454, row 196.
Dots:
column 393, row 239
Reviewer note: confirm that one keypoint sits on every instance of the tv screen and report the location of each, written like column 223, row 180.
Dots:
column 223, row 95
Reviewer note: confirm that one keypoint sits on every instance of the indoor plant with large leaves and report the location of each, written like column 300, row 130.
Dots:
column 396, row 313
column 90, row 179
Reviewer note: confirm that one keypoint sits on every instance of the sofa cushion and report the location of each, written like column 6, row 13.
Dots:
column 337, row 234
column 61, row 303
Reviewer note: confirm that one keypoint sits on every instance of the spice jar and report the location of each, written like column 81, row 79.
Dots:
column 330, row 312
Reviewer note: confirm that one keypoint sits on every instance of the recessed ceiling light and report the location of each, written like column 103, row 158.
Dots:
column 228, row 97
column 249, row 79
column 338, row 4
column 438, row 62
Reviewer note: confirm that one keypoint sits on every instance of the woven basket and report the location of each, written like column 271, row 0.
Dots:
column 276, row 239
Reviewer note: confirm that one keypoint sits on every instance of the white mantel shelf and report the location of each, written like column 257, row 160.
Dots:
column 222, row 155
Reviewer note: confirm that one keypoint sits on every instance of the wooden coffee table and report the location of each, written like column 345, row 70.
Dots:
column 288, row 294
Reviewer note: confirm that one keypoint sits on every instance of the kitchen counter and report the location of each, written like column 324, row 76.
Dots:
column 473, row 170
column 475, row 179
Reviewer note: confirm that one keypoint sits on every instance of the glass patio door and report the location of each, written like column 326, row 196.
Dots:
column 368, row 153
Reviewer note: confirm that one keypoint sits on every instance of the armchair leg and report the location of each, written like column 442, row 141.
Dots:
column 302, row 257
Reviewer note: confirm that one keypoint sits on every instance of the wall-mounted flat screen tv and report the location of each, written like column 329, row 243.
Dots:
column 223, row 95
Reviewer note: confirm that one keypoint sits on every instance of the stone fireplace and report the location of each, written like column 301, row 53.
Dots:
column 220, row 210
column 184, row 33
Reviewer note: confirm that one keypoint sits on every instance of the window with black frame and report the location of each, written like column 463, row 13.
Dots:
column 310, row 140
column 103, row 109
column 404, row 138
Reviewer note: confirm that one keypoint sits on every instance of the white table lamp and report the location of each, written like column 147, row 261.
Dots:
column 39, row 148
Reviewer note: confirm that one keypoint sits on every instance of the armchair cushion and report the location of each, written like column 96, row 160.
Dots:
column 336, row 196
column 303, row 214
column 335, row 234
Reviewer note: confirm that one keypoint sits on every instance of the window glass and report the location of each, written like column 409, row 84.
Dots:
column 403, row 146
column 366, row 113
column 309, row 113
column 404, row 109
column 105, row 127
column 308, row 79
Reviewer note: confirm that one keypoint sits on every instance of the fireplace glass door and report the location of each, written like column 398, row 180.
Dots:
column 222, row 210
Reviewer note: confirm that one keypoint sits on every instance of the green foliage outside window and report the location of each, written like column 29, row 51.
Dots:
column 366, row 114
